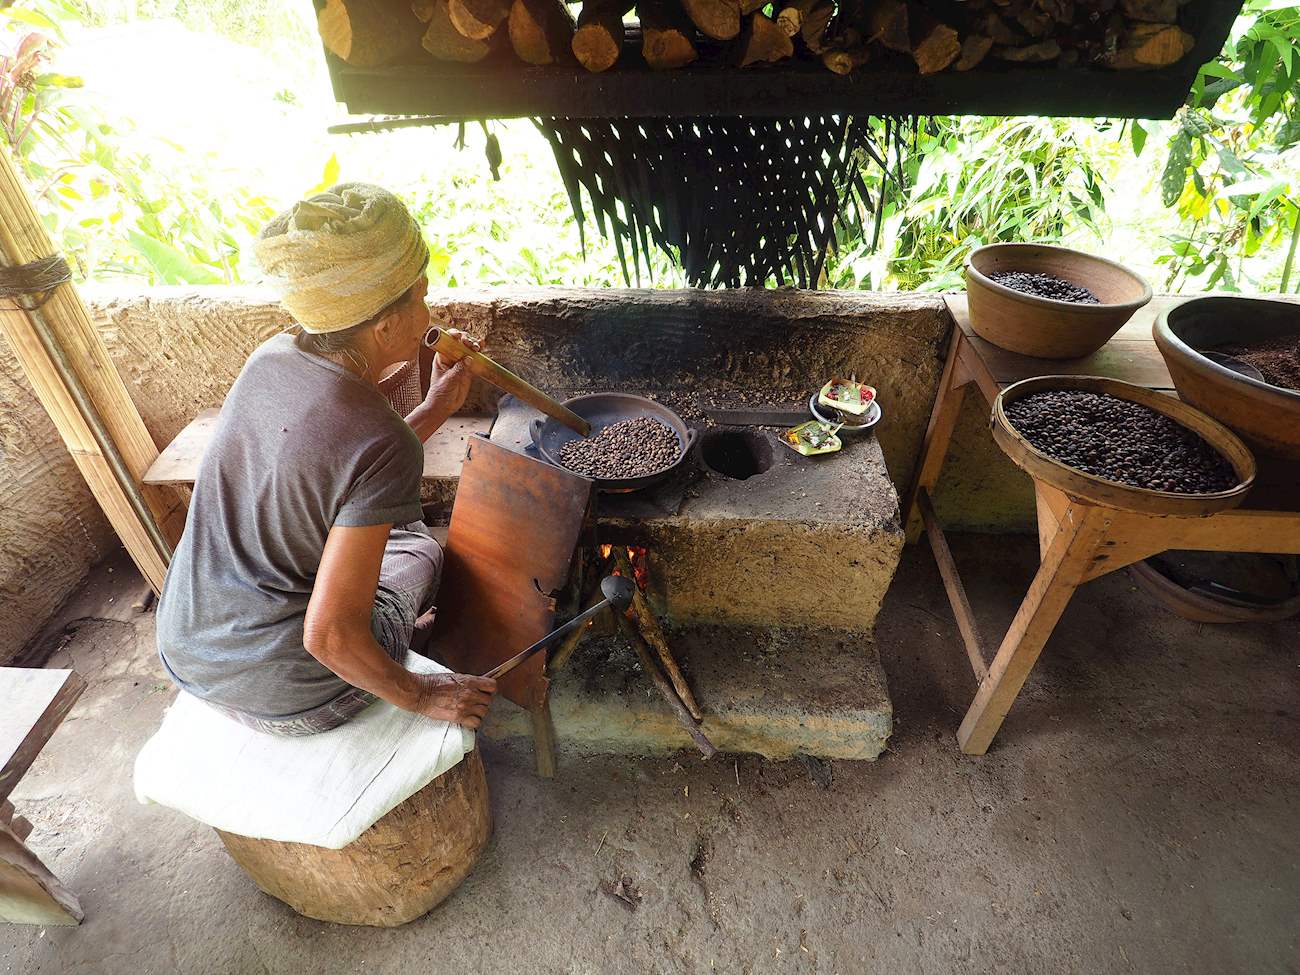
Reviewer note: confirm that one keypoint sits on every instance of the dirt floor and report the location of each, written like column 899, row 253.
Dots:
column 1139, row 814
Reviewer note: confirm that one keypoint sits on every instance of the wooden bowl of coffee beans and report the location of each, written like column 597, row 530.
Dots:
column 1049, row 302
column 1122, row 446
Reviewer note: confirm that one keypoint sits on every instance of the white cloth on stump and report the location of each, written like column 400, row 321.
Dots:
column 324, row 789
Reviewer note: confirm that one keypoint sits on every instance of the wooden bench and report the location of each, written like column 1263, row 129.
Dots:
column 444, row 454
column 33, row 703
column 1078, row 541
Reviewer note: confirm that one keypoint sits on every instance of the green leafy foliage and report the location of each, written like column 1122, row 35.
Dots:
column 960, row 184
column 1233, row 153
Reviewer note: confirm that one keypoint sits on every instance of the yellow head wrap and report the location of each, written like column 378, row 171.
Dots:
column 342, row 256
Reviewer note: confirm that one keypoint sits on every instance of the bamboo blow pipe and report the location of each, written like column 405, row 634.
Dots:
column 454, row 350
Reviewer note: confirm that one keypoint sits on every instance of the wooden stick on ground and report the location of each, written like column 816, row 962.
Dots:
column 598, row 40
column 661, row 684
column 654, row 634
column 667, row 36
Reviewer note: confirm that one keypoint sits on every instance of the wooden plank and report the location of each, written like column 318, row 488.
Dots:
column 952, row 582
column 29, row 893
column 514, row 528
column 178, row 462
column 33, row 703
column 444, row 452
column 1131, row 356
column 23, row 239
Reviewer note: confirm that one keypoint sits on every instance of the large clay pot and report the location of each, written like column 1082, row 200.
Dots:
column 400, row 868
column 1267, row 416
column 1045, row 327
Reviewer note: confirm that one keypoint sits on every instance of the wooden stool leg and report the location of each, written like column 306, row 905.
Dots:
column 1062, row 569
column 943, row 418
column 544, row 739
column 29, row 893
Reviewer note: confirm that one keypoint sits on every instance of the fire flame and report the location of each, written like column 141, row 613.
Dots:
column 637, row 558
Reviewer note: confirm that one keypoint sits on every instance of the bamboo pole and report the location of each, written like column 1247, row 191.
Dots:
column 75, row 380
column 453, row 349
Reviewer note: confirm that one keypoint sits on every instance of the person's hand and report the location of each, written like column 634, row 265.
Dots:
column 450, row 381
column 459, row 698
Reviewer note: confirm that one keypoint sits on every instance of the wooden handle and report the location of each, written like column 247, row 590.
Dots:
column 454, row 350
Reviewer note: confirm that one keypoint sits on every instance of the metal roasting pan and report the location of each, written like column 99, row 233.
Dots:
column 602, row 410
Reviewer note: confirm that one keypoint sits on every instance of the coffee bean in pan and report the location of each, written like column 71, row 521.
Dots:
column 1121, row 441
column 1044, row 286
column 628, row 448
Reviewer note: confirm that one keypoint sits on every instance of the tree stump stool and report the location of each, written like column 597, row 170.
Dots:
column 399, row 869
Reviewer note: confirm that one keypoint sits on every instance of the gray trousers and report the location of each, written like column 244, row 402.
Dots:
column 408, row 582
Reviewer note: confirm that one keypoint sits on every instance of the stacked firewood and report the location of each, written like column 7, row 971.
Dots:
column 936, row 35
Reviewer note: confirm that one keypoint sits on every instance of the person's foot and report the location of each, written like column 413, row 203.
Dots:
column 422, row 635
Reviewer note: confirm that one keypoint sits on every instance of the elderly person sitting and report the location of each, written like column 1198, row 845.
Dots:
column 304, row 564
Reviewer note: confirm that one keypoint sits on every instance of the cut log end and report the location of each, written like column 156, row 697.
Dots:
column 667, row 37
column 443, row 41
column 719, row 19
column 973, row 50
column 1149, row 46
column 370, row 33
column 762, row 40
column 935, row 48
column 843, row 62
column 596, row 48
column 541, row 31
column 815, row 24
column 478, row 19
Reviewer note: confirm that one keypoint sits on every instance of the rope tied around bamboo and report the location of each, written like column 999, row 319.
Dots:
column 31, row 285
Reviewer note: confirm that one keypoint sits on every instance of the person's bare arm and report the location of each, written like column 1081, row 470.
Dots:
column 337, row 633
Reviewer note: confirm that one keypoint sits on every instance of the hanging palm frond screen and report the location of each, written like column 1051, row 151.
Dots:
column 736, row 201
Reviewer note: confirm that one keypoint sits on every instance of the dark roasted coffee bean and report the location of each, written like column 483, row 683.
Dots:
column 1121, row 441
column 1044, row 286
column 628, row 448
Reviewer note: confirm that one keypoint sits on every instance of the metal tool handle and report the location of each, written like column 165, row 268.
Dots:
column 618, row 593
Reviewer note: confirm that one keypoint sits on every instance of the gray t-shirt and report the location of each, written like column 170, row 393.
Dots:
column 301, row 445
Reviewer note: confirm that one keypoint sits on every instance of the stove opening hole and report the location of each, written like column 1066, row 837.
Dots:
column 737, row 454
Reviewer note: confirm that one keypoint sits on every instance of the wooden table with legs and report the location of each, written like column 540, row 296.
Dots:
column 33, row 703
column 1078, row 540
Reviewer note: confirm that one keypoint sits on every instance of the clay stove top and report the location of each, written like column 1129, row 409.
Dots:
column 726, row 549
